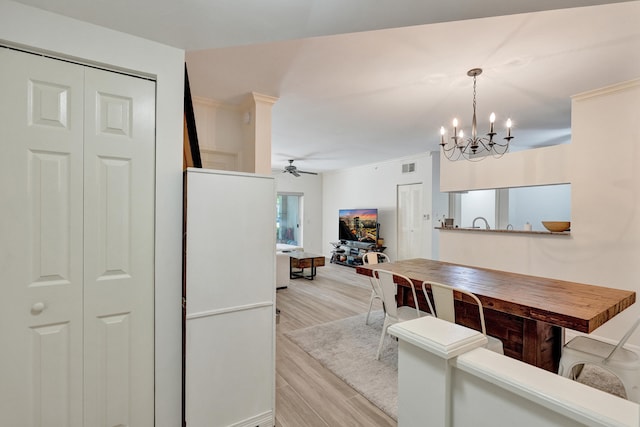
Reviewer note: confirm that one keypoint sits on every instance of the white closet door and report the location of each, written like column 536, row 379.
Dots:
column 118, row 246
column 41, row 144
column 76, row 259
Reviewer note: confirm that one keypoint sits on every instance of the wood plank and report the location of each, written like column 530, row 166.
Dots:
column 308, row 394
column 293, row 410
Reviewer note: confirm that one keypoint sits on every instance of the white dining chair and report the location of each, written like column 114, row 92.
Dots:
column 623, row 362
column 393, row 313
column 443, row 307
column 371, row 258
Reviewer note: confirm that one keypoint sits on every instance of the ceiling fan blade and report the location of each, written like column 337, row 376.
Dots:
column 295, row 171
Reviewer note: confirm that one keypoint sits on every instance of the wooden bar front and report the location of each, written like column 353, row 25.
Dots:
column 527, row 313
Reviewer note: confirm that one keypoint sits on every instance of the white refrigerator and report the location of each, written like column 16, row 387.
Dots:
column 230, row 299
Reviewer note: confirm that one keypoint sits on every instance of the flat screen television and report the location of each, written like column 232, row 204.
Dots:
column 358, row 225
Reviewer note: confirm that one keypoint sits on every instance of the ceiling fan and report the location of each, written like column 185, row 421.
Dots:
column 294, row 170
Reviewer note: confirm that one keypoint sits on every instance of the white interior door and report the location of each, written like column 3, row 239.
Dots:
column 41, row 253
column 410, row 232
column 118, row 249
column 76, row 263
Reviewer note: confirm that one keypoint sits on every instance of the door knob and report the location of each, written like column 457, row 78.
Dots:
column 37, row 308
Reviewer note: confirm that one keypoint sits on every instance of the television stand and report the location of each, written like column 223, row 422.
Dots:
column 350, row 253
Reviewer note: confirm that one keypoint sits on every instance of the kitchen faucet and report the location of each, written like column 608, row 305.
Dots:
column 473, row 224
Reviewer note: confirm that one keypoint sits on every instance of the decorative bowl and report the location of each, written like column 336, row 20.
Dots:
column 557, row 226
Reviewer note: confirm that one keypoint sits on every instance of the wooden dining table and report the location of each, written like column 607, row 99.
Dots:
column 528, row 313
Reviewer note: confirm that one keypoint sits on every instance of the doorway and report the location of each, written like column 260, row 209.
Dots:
column 289, row 218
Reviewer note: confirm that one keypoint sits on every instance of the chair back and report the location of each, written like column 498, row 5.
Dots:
column 372, row 258
column 443, row 302
column 389, row 290
column 624, row 339
column 375, row 258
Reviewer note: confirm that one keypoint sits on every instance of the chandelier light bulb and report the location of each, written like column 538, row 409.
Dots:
column 461, row 134
column 492, row 118
column 455, row 123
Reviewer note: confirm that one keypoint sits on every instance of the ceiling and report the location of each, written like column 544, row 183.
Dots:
column 360, row 84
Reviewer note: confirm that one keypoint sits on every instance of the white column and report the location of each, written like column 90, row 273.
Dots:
column 424, row 376
column 258, row 137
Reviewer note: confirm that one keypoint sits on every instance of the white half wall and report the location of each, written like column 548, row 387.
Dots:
column 40, row 31
column 604, row 245
column 540, row 166
column 444, row 371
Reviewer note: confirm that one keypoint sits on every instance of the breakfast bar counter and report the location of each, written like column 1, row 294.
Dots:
column 528, row 313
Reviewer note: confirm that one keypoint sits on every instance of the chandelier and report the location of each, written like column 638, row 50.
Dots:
column 475, row 147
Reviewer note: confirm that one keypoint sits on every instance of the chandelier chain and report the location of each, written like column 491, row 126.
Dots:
column 474, row 94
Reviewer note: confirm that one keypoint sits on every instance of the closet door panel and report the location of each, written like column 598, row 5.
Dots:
column 41, row 174
column 119, row 247
column 76, row 260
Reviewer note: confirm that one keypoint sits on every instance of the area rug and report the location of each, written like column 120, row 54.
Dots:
column 348, row 347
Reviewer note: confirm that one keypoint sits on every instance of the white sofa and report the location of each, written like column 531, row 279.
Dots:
column 282, row 263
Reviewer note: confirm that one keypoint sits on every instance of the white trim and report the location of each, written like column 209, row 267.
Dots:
column 211, row 313
column 444, row 339
column 265, row 419
column 618, row 87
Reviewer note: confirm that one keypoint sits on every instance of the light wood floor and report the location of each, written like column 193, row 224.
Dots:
column 307, row 394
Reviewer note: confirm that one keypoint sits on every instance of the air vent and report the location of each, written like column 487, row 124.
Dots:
column 408, row 167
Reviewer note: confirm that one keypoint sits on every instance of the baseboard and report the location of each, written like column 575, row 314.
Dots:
column 260, row 420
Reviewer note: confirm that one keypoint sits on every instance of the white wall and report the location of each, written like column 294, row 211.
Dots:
column 220, row 134
column 42, row 31
column 479, row 203
column 602, row 167
column 375, row 186
column 540, row 166
column 311, row 187
column 235, row 137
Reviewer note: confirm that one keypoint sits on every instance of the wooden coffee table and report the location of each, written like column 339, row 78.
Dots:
column 302, row 260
